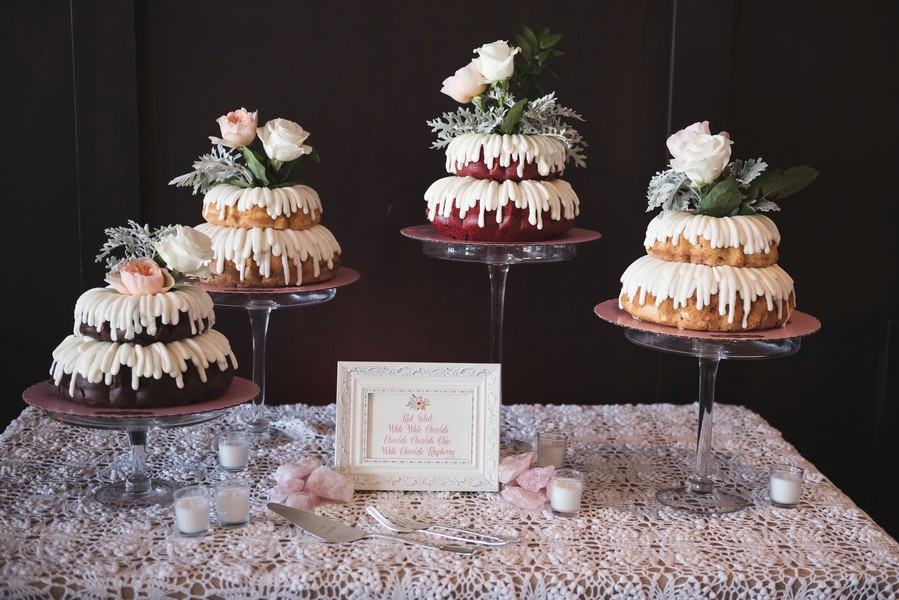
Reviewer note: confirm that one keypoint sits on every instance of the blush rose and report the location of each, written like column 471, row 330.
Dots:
column 140, row 277
column 238, row 128
column 698, row 154
column 465, row 84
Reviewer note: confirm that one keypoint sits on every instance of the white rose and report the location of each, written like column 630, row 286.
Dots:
column 495, row 61
column 698, row 154
column 283, row 140
column 465, row 84
column 186, row 250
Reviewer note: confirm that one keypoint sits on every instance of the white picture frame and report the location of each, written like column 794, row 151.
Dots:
column 418, row 426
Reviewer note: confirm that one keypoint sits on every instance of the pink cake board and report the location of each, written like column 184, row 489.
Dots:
column 343, row 277
column 427, row 233
column 39, row 396
column 799, row 325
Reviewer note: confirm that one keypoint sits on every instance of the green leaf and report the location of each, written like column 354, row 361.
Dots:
column 525, row 47
column 745, row 209
column 543, row 55
column 529, row 35
column 513, row 116
column 255, row 163
column 550, row 41
column 776, row 185
column 722, row 200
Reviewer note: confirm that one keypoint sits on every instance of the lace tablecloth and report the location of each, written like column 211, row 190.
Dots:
column 57, row 541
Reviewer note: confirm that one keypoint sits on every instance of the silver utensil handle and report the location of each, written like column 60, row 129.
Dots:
column 414, row 542
column 472, row 537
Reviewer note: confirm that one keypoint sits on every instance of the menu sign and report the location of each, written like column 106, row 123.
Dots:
column 424, row 425
column 418, row 426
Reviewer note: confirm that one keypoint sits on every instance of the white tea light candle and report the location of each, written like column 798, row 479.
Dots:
column 232, row 502
column 234, row 450
column 192, row 506
column 551, row 449
column 786, row 485
column 565, row 492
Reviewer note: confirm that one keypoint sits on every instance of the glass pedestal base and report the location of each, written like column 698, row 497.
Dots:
column 715, row 502
column 158, row 492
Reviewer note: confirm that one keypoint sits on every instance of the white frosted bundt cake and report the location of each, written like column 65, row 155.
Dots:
column 143, row 341
column 264, row 225
column 506, row 157
column 711, row 257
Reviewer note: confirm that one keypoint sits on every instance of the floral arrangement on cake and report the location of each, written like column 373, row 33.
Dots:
column 235, row 161
column 703, row 178
column 154, row 259
column 502, row 85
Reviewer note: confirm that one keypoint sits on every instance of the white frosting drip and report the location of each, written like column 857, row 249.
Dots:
column 555, row 196
column 276, row 202
column 98, row 361
column 136, row 314
column 682, row 281
column 548, row 152
column 292, row 246
column 754, row 233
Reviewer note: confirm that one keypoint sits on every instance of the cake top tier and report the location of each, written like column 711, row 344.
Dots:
column 702, row 177
column 235, row 161
column 502, row 86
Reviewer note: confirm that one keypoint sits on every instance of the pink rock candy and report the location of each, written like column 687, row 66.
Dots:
column 302, row 500
column 297, row 470
column 281, row 491
column 522, row 498
column 535, row 479
column 512, row 466
column 329, row 484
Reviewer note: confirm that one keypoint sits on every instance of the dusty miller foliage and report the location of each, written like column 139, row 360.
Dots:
column 542, row 116
column 211, row 169
column 671, row 190
column 136, row 241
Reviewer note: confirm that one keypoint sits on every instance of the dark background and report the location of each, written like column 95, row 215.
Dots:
column 105, row 102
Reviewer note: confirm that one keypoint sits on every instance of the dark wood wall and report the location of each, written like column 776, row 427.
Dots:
column 108, row 101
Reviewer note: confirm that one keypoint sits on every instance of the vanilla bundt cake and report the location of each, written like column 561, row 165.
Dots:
column 265, row 226
column 711, row 257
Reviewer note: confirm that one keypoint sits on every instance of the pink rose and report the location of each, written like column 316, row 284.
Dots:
column 465, row 84
column 140, row 277
column 698, row 154
column 238, row 128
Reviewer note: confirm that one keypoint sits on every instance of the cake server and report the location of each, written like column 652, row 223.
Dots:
column 331, row 531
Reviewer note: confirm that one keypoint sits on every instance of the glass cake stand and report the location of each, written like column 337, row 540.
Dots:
column 259, row 304
column 498, row 256
column 138, row 488
column 699, row 494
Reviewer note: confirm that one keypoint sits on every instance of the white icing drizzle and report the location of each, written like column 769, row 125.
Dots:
column 292, row 246
column 681, row 281
column 548, row 152
column 136, row 314
column 98, row 361
column 276, row 202
column 754, row 233
column 555, row 196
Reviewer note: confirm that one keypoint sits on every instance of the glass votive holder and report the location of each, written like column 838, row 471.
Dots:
column 192, row 507
column 786, row 485
column 566, row 488
column 234, row 450
column 232, row 502
column 551, row 449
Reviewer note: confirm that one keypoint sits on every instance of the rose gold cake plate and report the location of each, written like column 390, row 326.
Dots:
column 700, row 494
column 138, row 489
column 259, row 302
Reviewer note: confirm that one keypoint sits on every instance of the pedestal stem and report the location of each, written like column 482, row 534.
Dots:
column 701, row 481
column 498, row 275
column 259, row 317
column 137, row 481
